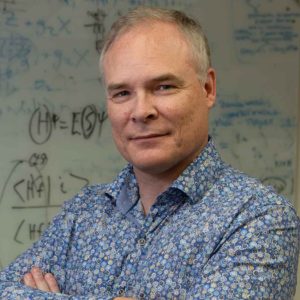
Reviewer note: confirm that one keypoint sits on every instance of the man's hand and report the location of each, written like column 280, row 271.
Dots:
column 44, row 282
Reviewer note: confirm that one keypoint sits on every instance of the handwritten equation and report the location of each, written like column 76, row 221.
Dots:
column 253, row 112
column 243, row 129
column 32, row 188
column 51, row 110
column 263, row 27
column 84, row 123
column 98, row 27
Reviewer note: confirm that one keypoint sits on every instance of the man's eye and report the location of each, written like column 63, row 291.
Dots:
column 165, row 87
column 121, row 94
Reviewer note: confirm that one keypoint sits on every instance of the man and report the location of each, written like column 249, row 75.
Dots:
column 177, row 223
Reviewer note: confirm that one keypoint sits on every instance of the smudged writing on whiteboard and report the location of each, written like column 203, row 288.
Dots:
column 260, row 31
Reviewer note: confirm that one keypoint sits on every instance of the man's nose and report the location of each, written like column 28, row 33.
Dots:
column 144, row 109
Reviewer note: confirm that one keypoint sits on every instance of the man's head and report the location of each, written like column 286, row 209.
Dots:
column 157, row 104
column 190, row 28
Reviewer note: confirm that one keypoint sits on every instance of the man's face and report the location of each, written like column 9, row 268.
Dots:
column 156, row 104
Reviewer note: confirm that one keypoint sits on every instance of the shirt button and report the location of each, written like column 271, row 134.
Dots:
column 142, row 242
column 121, row 292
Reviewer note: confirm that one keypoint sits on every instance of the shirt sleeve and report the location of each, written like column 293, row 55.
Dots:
column 49, row 254
column 258, row 260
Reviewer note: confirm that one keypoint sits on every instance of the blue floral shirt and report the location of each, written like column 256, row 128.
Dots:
column 213, row 234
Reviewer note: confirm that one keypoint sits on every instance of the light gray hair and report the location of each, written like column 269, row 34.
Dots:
column 190, row 28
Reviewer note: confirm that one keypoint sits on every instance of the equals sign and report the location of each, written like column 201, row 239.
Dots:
column 63, row 125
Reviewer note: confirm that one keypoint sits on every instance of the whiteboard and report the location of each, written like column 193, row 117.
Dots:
column 55, row 136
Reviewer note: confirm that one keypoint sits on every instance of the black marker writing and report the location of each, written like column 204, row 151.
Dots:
column 84, row 123
column 98, row 27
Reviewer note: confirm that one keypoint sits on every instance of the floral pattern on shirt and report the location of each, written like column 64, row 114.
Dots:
column 215, row 233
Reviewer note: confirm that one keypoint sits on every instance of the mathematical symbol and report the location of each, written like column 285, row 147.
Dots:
column 81, row 56
column 15, row 187
column 80, row 178
column 63, row 125
column 17, row 232
column 64, row 25
column 55, row 119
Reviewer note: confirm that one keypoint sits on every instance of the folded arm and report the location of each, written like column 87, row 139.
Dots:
column 49, row 254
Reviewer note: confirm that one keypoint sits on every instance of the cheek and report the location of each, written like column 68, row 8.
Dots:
column 191, row 126
column 118, row 121
column 116, row 129
column 118, row 137
column 117, row 118
column 182, row 129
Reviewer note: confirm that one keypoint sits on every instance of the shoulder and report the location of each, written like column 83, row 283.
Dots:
column 241, row 196
column 238, row 184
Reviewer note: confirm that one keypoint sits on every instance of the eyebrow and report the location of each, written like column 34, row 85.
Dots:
column 168, row 77
column 116, row 86
column 160, row 78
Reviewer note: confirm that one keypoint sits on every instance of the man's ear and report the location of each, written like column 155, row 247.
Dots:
column 210, row 87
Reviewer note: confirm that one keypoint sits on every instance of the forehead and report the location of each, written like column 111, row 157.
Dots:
column 158, row 43
column 151, row 29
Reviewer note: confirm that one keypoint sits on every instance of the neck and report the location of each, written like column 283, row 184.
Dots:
column 151, row 185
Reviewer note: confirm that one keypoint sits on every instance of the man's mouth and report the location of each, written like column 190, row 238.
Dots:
column 147, row 136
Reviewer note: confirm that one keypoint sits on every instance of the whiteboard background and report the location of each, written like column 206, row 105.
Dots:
column 55, row 137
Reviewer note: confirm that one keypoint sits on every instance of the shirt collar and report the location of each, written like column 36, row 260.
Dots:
column 201, row 174
column 125, row 179
column 195, row 180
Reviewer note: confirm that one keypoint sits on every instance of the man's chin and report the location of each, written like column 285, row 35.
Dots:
column 150, row 166
column 155, row 168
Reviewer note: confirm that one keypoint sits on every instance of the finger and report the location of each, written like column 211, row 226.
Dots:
column 52, row 283
column 29, row 281
column 39, row 279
